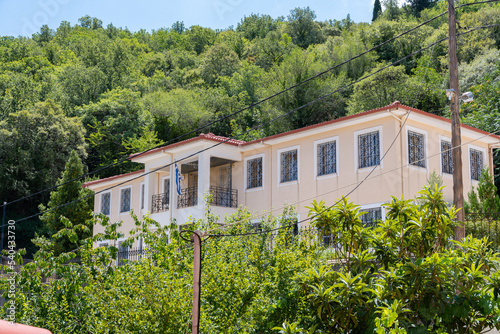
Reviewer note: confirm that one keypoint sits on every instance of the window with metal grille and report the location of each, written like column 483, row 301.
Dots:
column 254, row 173
column 371, row 216
column 105, row 203
column 327, row 158
column 289, row 166
column 369, row 149
column 416, row 152
column 446, row 157
column 125, row 200
column 476, row 164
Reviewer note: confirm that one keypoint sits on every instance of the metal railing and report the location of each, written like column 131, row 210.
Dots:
column 187, row 198
column 160, row 203
column 131, row 254
column 482, row 225
column 225, row 197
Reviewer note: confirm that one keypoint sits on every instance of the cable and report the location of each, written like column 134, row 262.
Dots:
column 350, row 185
column 400, row 128
column 241, row 134
column 476, row 3
column 232, row 114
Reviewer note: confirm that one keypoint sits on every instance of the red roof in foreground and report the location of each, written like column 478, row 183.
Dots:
column 7, row 327
column 208, row 136
column 86, row 184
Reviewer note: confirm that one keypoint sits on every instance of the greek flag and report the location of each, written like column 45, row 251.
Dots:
column 177, row 179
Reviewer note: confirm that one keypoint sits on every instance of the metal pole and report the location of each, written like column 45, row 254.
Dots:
column 456, row 142
column 196, row 281
column 3, row 227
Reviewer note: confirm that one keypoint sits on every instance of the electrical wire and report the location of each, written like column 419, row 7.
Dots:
column 239, row 135
column 234, row 113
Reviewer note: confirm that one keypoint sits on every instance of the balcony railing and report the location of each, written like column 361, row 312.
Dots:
column 160, row 203
column 131, row 254
column 225, row 197
column 188, row 197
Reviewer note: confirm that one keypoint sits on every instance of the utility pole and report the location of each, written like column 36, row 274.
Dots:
column 196, row 280
column 456, row 141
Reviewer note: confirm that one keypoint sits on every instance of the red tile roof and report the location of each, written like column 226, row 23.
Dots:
column 208, row 136
column 90, row 183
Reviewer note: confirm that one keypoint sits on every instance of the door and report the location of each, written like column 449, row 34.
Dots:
column 225, row 185
column 192, row 191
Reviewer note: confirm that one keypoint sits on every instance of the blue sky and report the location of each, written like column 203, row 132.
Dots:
column 24, row 17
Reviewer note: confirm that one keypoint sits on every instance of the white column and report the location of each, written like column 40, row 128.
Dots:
column 173, row 193
column 203, row 178
column 147, row 191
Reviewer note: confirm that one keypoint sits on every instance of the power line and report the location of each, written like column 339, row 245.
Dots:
column 241, row 134
column 350, row 185
column 232, row 114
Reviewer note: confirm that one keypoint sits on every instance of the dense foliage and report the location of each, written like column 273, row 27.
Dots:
column 402, row 275
column 122, row 91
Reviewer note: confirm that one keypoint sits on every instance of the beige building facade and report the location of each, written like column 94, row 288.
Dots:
column 390, row 151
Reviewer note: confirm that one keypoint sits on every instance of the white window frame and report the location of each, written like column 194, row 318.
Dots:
column 485, row 159
column 278, row 158
column 426, row 148
column 375, row 206
column 356, row 148
column 245, row 172
column 120, row 201
column 100, row 202
column 441, row 139
column 323, row 141
column 142, row 195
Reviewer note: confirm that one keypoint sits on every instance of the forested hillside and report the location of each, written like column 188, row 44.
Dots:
column 106, row 92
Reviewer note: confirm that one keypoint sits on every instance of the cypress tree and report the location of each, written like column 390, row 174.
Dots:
column 377, row 9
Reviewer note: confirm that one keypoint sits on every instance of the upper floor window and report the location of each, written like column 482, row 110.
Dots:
column 369, row 149
column 289, row 166
column 476, row 163
column 105, row 203
column 125, row 198
column 371, row 216
column 416, row 149
column 327, row 158
column 446, row 157
column 254, row 173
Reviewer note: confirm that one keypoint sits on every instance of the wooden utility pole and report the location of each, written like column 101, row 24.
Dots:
column 196, row 280
column 456, row 141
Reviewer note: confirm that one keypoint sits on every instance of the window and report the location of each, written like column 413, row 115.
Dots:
column 371, row 216
column 446, row 157
column 254, row 173
column 125, row 197
column 369, row 149
column 105, row 203
column 327, row 158
column 289, row 168
column 416, row 147
column 142, row 195
column 166, row 190
column 476, row 163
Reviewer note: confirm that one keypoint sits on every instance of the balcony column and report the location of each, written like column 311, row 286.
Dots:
column 148, row 190
column 203, row 178
column 173, row 194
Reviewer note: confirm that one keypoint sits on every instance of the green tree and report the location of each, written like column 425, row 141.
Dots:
column 256, row 26
column 377, row 10
column 302, row 27
column 484, row 200
column 73, row 215
column 219, row 61
column 178, row 26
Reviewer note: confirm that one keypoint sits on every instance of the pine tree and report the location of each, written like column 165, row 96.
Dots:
column 77, row 213
column 377, row 10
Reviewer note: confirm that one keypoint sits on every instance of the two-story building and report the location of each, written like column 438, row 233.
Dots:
column 322, row 161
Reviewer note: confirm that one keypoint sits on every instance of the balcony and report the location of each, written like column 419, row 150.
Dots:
column 160, row 203
column 187, row 198
column 225, row 197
